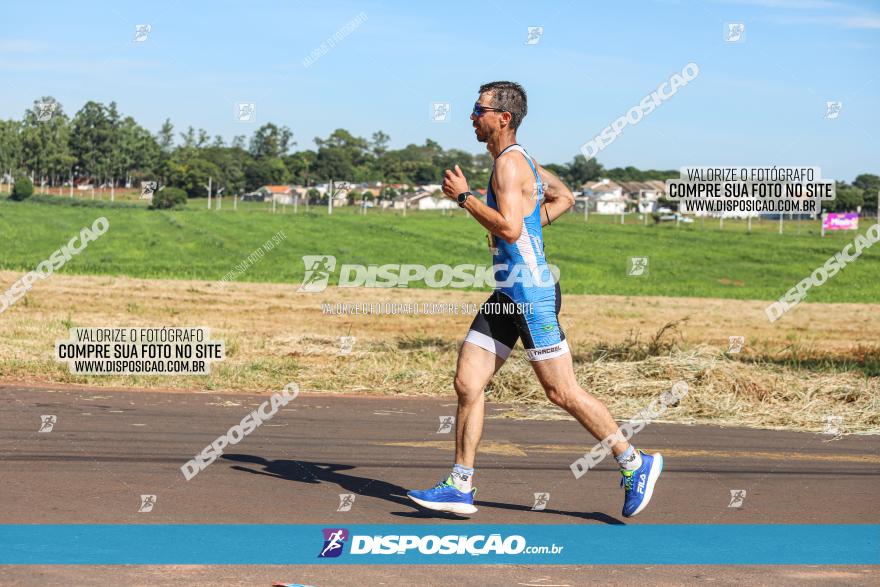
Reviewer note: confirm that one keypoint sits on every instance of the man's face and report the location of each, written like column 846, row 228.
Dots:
column 487, row 124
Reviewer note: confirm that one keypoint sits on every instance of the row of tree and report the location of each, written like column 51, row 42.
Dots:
column 102, row 146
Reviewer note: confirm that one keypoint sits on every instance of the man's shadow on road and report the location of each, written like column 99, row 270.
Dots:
column 309, row 472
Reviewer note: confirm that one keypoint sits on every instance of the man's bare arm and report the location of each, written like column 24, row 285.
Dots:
column 507, row 221
column 557, row 197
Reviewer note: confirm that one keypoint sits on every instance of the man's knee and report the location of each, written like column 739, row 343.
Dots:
column 561, row 395
column 466, row 391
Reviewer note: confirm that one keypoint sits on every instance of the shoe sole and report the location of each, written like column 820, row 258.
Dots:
column 653, row 475
column 453, row 508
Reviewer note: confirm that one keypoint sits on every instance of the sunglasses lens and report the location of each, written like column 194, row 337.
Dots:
column 478, row 111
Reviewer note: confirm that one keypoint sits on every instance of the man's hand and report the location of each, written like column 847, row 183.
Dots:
column 454, row 183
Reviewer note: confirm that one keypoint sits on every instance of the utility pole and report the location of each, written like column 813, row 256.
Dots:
column 235, row 202
column 781, row 216
column 220, row 198
column 113, row 190
column 330, row 199
column 71, row 184
column 209, row 192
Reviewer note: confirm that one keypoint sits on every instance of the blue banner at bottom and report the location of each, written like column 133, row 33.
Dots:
column 228, row 544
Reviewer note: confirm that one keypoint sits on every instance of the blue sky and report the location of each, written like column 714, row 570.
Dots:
column 758, row 102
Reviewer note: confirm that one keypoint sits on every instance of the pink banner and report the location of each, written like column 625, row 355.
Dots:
column 837, row 221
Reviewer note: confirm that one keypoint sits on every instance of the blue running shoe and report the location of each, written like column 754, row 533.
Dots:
column 444, row 497
column 638, row 485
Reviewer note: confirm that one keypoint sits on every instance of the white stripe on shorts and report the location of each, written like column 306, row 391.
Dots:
column 548, row 352
column 488, row 343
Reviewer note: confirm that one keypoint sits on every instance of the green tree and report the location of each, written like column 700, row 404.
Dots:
column 271, row 141
column 138, row 155
column 188, row 170
column 848, row 199
column 266, row 171
column 45, row 147
column 22, row 189
column 91, row 140
column 10, row 146
column 870, row 186
column 168, row 198
column 340, row 156
column 165, row 137
column 581, row 170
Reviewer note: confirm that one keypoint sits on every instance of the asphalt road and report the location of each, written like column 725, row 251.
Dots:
column 107, row 448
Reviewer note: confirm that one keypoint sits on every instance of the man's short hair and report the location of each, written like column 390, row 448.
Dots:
column 508, row 96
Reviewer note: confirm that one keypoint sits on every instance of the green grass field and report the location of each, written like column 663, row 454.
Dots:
column 696, row 260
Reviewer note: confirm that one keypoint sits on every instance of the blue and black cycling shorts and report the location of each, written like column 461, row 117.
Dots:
column 501, row 321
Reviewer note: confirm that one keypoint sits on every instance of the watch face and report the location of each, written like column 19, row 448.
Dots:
column 462, row 197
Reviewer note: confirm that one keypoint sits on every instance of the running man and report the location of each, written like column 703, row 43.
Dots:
column 521, row 198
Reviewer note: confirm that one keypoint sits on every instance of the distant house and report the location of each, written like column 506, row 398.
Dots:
column 605, row 196
column 431, row 201
column 646, row 193
column 281, row 194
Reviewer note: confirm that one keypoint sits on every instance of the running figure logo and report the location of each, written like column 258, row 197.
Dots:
column 346, row 500
column 535, row 33
column 541, row 501
column 45, row 110
column 735, row 344
column 737, row 497
column 832, row 109
column 148, row 189
column 638, row 266
column 734, row 32
column 318, row 270
column 47, row 423
column 147, row 503
column 334, row 540
column 446, row 424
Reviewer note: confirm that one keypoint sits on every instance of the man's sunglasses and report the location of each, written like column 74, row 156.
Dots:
column 479, row 109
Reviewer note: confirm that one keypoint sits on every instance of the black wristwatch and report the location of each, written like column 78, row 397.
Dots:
column 462, row 198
